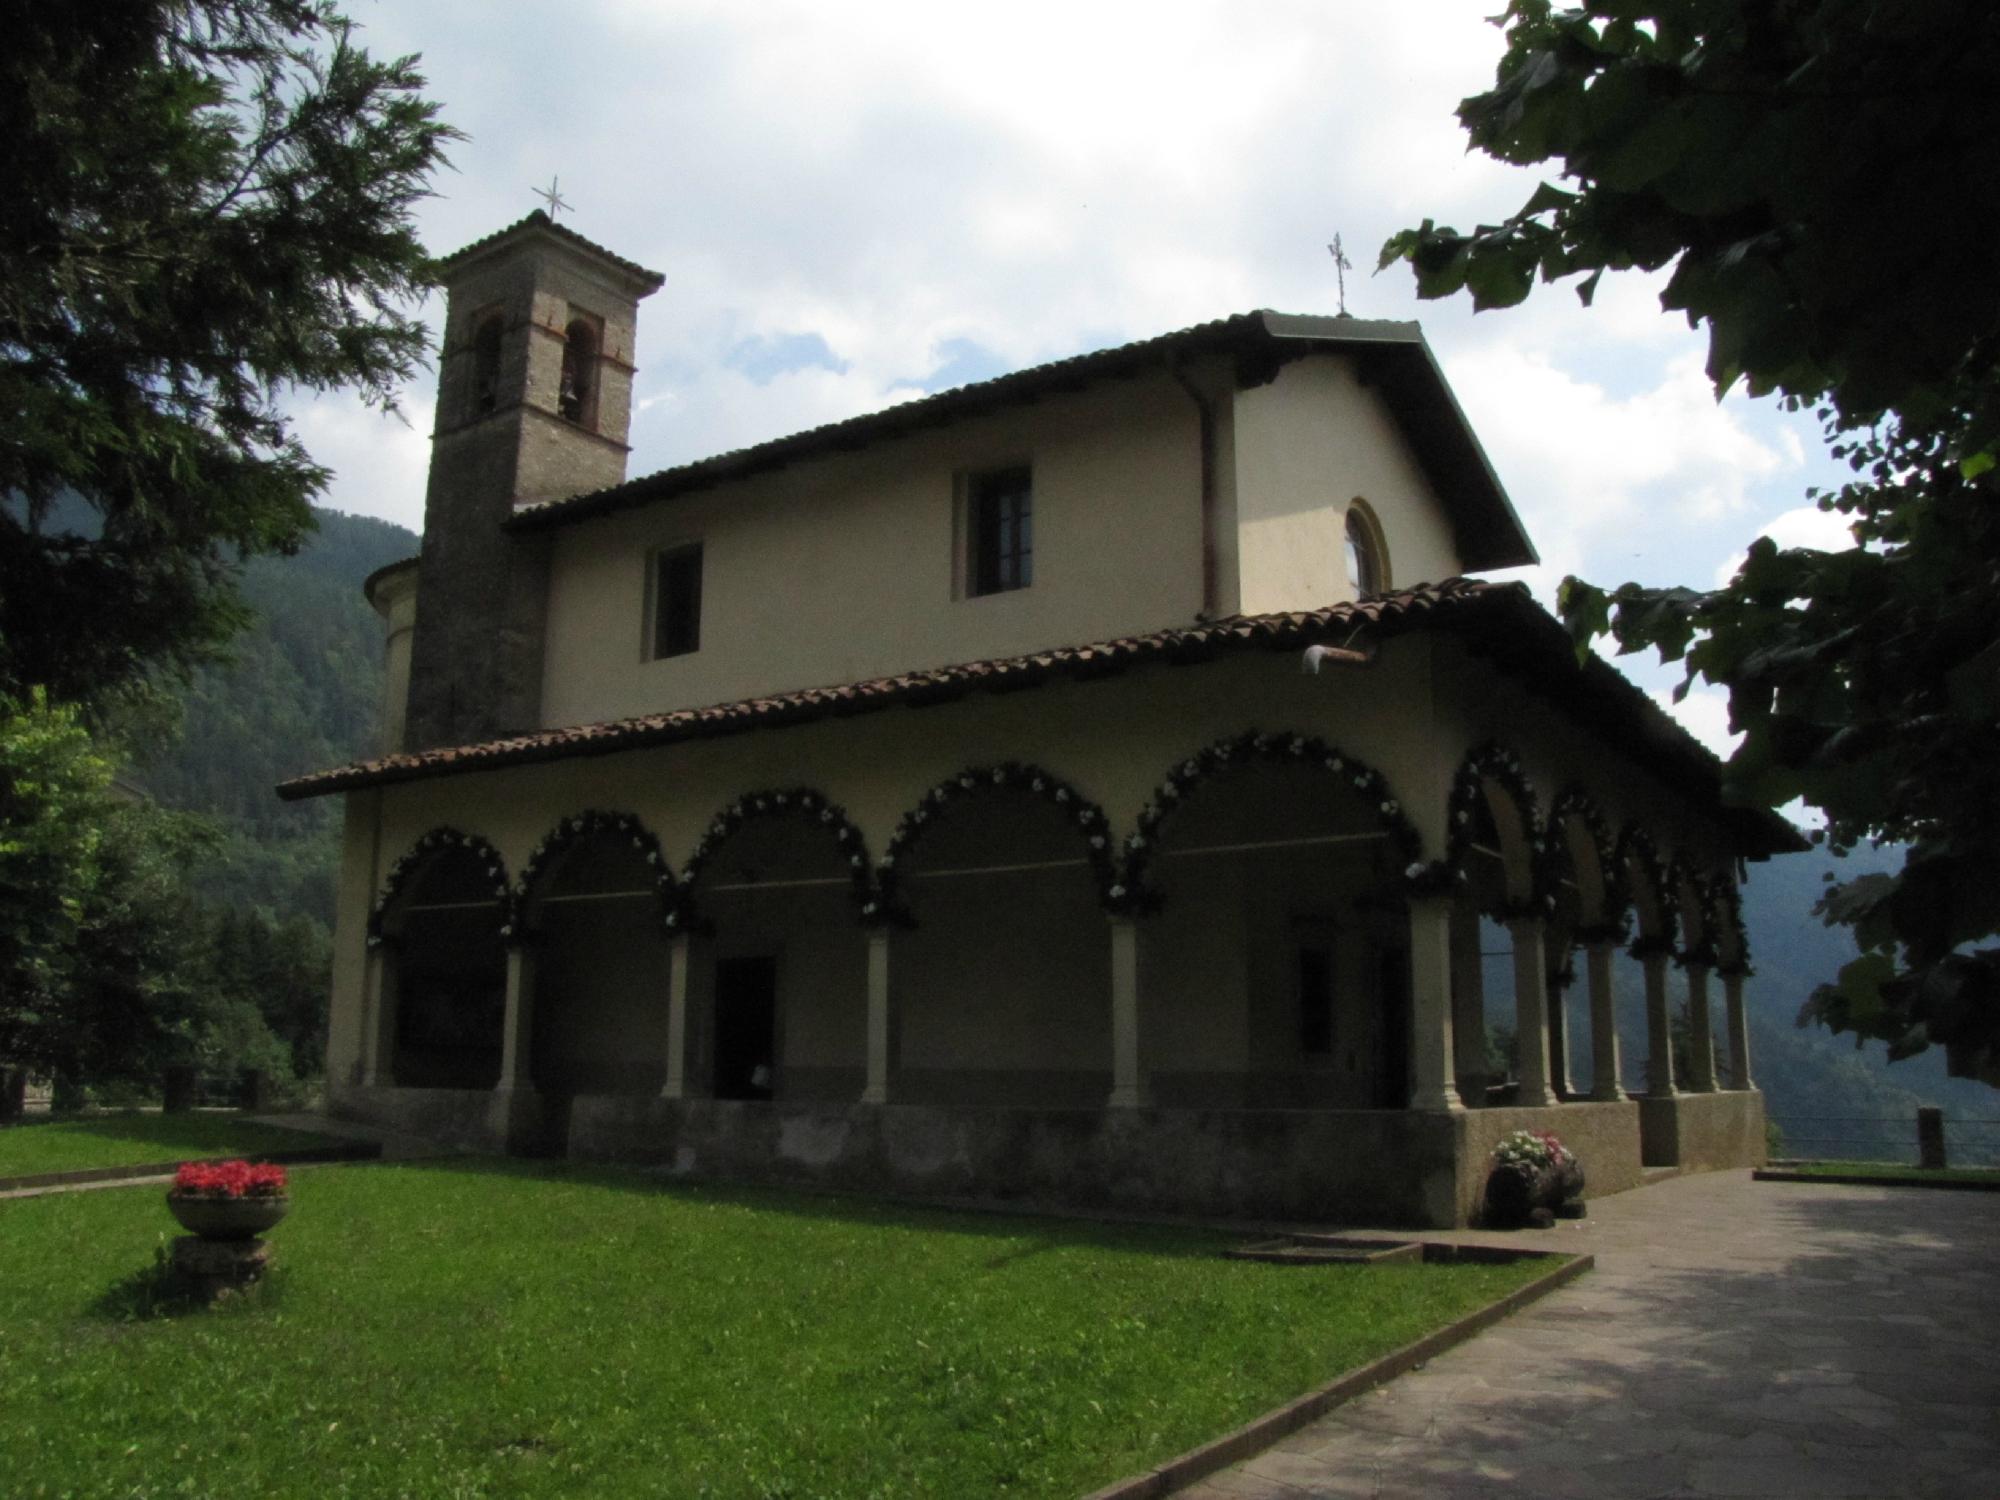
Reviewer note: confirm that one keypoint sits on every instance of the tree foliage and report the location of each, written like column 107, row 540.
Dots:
column 208, row 205
column 1821, row 179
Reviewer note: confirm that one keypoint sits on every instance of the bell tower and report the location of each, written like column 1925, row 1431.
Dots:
column 534, row 403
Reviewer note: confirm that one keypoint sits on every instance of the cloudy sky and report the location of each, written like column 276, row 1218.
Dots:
column 858, row 203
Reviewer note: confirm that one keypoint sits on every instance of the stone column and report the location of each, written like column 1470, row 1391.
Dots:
column 877, row 1089
column 1701, row 1031
column 1739, row 1032
column 1559, row 1073
column 1659, row 1031
column 517, row 1035
column 1603, row 1025
column 1128, row 1079
column 1468, row 1005
column 1431, row 1051
column 675, row 1086
column 378, row 1019
column 1531, row 1012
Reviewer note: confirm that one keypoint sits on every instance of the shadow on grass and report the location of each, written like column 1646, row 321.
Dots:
column 1048, row 1232
column 159, row 1291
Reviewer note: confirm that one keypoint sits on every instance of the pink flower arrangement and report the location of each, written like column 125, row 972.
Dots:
column 229, row 1179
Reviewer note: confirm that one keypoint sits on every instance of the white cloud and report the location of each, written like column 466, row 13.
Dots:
column 1703, row 713
column 1802, row 526
column 1037, row 179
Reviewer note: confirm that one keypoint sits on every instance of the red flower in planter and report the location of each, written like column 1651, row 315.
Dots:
column 229, row 1179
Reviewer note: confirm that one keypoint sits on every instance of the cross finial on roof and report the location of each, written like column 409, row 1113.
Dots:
column 1341, row 266
column 553, row 197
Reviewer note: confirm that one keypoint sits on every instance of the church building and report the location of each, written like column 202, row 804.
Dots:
column 1084, row 787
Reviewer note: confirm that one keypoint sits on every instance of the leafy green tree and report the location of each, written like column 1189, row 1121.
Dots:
column 53, row 801
column 1820, row 177
column 207, row 205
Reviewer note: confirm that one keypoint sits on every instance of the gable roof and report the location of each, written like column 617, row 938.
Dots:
column 1391, row 356
column 1497, row 621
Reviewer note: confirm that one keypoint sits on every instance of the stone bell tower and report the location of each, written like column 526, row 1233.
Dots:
column 534, row 402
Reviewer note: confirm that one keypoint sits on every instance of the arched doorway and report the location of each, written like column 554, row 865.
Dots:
column 1278, row 972
column 778, row 969
column 441, row 925
column 595, row 897
column 1001, row 981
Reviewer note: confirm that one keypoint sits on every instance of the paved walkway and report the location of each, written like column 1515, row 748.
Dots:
column 1737, row 1338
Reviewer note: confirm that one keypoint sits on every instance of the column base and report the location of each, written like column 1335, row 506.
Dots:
column 1446, row 1100
column 875, row 1093
column 1130, row 1096
column 1610, row 1094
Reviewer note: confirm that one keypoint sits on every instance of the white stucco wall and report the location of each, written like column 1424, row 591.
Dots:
column 842, row 568
column 1304, row 445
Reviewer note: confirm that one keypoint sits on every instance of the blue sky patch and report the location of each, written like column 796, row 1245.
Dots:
column 767, row 356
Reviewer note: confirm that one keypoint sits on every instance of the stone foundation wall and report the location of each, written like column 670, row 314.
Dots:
column 1704, row 1132
column 1605, row 1138
column 1382, row 1167
column 471, row 1119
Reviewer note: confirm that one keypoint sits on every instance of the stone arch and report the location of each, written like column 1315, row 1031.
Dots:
column 798, row 804
column 1643, row 883
column 574, row 833
column 1135, row 889
column 1092, row 827
column 1732, row 937
column 1687, row 892
column 777, row 983
column 1490, row 792
column 484, row 385
column 1288, row 864
column 1579, row 841
column 403, row 875
column 576, row 394
column 443, row 922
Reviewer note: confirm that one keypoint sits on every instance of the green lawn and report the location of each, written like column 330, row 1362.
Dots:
column 127, row 1140
column 496, row 1329
column 1891, row 1172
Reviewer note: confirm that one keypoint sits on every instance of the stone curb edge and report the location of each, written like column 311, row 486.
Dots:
column 1856, row 1179
column 1260, row 1432
column 361, row 1151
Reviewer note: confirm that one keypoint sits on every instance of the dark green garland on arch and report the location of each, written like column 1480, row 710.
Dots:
column 1084, row 815
column 1493, row 761
column 581, row 827
column 436, row 842
column 1254, row 747
column 799, row 803
column 1574, row 802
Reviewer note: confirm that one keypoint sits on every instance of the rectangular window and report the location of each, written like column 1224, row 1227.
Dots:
column 1315, row 1001
column 1000, row 531
column 677, row 601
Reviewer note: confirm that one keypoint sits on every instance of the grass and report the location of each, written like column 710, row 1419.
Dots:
column 499, row 1330
column 1891, row 1172
column 70, row 1145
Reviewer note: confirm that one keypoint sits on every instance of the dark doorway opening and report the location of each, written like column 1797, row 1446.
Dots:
column 1392, row 1082
column 746, row 1027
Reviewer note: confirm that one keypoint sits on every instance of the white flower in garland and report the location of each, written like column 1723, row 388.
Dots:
column 1117, row 893
column 999, row 778
column 1062, row 794
column 1097, row 841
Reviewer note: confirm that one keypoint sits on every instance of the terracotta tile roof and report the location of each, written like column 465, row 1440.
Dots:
column 1394, row 357
column 540, row 220
column 1499, row 621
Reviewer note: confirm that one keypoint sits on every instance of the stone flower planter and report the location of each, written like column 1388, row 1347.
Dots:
column 216, row 1218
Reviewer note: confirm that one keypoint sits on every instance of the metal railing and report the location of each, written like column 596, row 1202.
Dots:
column 1929, row 1138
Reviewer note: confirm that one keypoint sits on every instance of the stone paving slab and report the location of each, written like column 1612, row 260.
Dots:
column 1737, row 1338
